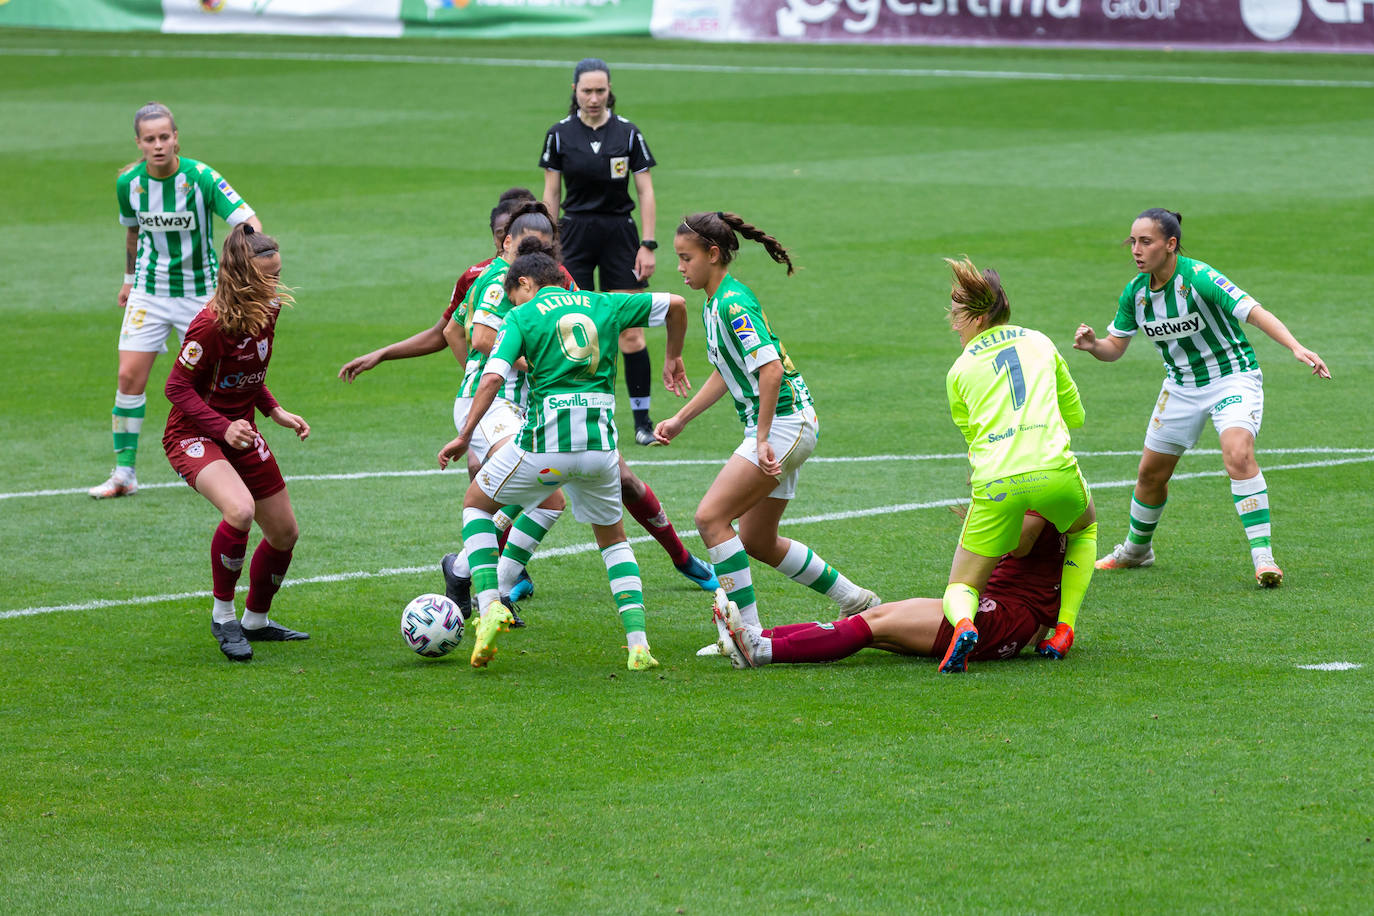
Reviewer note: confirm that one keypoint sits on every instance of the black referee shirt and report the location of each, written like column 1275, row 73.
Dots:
column 596, row 163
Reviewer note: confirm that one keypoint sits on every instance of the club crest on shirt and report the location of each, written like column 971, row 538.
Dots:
column 262, row 349
column 620, row 166
column 191, row 354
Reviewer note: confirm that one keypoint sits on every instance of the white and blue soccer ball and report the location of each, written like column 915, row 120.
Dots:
column 432, row 625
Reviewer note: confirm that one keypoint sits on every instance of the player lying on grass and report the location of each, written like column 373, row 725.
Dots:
column 1018, row 607
column 569, row 340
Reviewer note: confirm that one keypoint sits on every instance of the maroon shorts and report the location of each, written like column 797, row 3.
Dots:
column 256, row 465
column 1005, row 627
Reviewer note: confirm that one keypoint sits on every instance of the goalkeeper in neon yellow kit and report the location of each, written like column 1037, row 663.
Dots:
column 1011, row 395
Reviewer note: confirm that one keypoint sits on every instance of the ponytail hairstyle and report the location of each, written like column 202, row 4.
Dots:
column 1169, row 222
column 719, row 229
column 537, row 260
column 533, row 216
column 508, row 203
column 149, row 112
column 246, row 297
column 591, row 65
column 977, row 294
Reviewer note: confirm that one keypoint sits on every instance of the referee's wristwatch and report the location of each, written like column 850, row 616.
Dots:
column 649, row 244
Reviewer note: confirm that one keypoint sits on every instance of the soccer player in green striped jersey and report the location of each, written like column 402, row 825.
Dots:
column 780, row 425
column 1194, row 315
column 569, row 340
column 1011, row 395
column 166, row 203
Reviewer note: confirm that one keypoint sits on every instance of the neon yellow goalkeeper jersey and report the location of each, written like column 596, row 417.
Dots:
column 1011, row 395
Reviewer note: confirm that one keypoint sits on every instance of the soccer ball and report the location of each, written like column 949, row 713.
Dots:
column 432, row 625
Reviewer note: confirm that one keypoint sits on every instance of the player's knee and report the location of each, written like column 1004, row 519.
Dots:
column 764, row 548
column 285, row 538
column 132, row 381
column 239, row 514
column 631, row 489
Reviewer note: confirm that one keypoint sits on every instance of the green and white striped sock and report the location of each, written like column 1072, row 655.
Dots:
column 525, row 535
column 1144, row 521
column 801, row 565
column 479, row 543
column 731, row 564
column 622, row 570
column 1252, row 505
column 127, row 423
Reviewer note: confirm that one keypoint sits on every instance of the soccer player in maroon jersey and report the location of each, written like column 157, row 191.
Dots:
column 211, row 441
column 1018, row 608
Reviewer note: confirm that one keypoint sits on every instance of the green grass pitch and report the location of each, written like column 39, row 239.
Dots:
column 1180, row 760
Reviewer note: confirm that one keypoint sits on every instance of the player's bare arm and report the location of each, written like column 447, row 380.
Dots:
column 1270, row 324
column 1107, row 349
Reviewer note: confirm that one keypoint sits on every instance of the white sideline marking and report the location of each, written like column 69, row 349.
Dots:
column 591, row 547
column 1333, row 666
column 505, row 63
column 1368, row 454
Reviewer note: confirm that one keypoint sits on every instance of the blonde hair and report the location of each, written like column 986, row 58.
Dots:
column 978, row 294
column 246, row 298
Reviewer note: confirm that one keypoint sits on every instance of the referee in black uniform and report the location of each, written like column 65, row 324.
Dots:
column 595, row 153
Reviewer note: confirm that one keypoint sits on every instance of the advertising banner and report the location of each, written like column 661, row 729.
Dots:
column 1257, row 24
column 99, row 15
column 375, row 18
column 515, row 18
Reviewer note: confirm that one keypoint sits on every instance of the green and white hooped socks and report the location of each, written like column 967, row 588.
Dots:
column 126, row 424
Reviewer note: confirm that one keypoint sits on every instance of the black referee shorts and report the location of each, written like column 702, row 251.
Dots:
column 604, row 243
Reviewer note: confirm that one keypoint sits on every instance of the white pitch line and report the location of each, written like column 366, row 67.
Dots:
column 591, row 547
column 690, row 462
column 1333, row 666
column 505, row 63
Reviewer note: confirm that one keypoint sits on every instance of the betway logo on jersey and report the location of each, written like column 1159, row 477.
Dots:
column 175, row 221
column 1172, row 328
column 589, row 399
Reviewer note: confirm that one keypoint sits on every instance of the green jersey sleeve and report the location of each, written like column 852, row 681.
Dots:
column 1124, row 325
column 127, row 217
column 489, row 303
column 509, row 347
column 635, row 310
column 224, row 200
column 1221, row 293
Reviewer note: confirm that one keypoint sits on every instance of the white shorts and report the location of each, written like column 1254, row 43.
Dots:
column 590, row 480
column 148, row 320
column 502, row 420
column 1232, row 401
column 793, row 439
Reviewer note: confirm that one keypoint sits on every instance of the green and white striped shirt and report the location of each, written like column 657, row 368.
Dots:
column 738, row 341
column 176, row 250
column 487, row 304
column 571, row 339
column 1195, row 321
